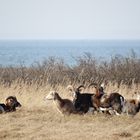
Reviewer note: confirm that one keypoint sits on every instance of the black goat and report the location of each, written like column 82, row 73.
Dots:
column 81, row 101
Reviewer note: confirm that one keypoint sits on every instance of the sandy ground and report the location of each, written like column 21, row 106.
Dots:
column 39, row 120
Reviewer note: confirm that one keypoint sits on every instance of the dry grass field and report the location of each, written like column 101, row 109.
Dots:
column 38, row 119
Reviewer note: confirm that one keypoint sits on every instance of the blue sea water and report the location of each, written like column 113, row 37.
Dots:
column 28, row 52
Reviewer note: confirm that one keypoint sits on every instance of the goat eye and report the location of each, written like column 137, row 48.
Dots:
column 11, row 100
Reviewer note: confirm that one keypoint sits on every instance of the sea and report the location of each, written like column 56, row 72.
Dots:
column 29, row 52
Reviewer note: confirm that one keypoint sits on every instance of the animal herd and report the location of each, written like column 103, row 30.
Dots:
column 82, row 103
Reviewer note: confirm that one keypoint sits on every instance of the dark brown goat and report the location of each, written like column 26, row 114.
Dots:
column 10, row 104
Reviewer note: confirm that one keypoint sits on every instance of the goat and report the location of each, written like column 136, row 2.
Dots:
column 64, row 106
column 104, row 102
column 99, row 92
column 113, row 101
column 10, row 105
column 81, row 101
column 132, row 106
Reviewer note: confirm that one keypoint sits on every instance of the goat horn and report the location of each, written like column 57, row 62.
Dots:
column 81, row 86
column 70, row 87
column 92, row 84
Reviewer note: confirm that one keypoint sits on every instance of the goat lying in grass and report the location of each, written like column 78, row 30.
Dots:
column 10, row 105
column 64, row 106
column 81, row 101
column 113, row 101
column 109, row 103
column 132, row 106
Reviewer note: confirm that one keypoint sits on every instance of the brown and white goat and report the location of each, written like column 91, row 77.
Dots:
column 64, row 106
column 104, row 102
column 132, row 106
column 10, row 105
column 81, row 101
column 113, row 101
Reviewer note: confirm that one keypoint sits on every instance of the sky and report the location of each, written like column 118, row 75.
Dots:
column 70, row 19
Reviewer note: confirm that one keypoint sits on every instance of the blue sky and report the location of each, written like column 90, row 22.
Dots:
column 70, row 19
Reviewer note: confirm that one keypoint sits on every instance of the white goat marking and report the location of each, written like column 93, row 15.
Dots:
column 110, row 110
column 103, row 109
column 50, row 96
column 122, row 101
column 74, row 95
column 91, row 110
column 138, row 97
column 103, row 85
column 116, row 113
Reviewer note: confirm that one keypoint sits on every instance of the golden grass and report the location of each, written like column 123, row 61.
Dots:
column 39, row 120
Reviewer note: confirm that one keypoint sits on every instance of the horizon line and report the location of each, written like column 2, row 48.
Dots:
column 25, row 39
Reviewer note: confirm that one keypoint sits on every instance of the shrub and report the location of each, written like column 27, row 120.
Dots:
column 87, row 69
